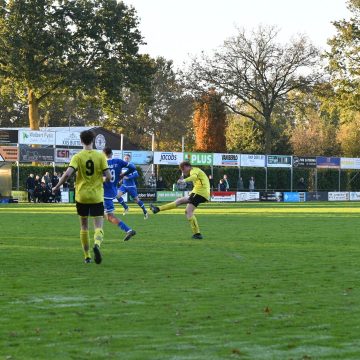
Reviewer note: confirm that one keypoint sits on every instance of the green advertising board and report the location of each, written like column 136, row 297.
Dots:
column 199, row 158
column 169, row 195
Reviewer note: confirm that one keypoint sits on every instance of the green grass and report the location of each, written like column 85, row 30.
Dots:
column 269, row 281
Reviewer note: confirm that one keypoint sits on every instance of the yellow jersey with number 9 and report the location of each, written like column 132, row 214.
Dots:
column 89, row 166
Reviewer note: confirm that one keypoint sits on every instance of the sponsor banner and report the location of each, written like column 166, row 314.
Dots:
column 316, row 196
column 65, row 196
column 223, row 196
column 271, row 196
column 68, row 138
column 40, row 154
column 304, row 161
column 338, row 196
column 328, row 162
column 247, row 196
column 31, row 137
column 22, row 196
column 355, row 196
column 247, row 160
column 169, row 195
column 139, row 157
column 9, row 136
column 226, row 159
column 168, row 158
column 147, row 195
column 279, row 161
column 65, row 155
column 291, row 197
column 199, row 158
column 9, row 153
column 349, row 163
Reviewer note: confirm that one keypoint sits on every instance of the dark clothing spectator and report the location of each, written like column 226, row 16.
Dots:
column 30, row 187
column 44, row 193
column 160, row 184
column 240, row 184
column 222, row 185
column 301, row 185
column 226, row 182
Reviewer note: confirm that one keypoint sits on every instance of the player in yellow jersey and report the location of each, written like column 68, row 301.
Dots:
column 90, row 167
column 199, row 194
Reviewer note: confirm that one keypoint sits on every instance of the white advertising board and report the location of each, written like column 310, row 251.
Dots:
column 355, row 196
column 338, row 196
column 349, row 163
column 247, row 196
column 252, row 160
column 32, row 137
column 226, row 159
column 68, row 138
column 223, row 196
column 168, row 158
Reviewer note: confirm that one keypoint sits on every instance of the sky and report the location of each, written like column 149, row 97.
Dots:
column 178, row 29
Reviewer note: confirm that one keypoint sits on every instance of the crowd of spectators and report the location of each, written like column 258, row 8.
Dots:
column 39, row 188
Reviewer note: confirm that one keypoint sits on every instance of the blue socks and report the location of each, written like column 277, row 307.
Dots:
column 122, row 202
column 141, row 204
column 123, row 226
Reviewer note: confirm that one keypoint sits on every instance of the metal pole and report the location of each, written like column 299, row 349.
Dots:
column 316, row 180
column 153, row 149
column 266, row 179
column 339, row 179
column 183, row 144
column 18, row 176
column 122, row 144
column 291, row 179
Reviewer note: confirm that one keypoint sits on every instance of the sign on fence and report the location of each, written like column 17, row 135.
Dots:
column 65, row 155
column 355, row 196
column 278, row 161
column 350, row 163
column 291, row 197
column 226, row 159
column 223, row 196
column 199, row 158
column 40, row 154
column 328, row 162
column 32, row 137
column 338, row 196
column 165, row 196
column 271, row 196
column 139, row 157
column 147, row 195
column 8, row 136
column 68, row 138
column 248, row 160
column 168, row 158
column 9, row 153
column 304, row 161
column 247, row 196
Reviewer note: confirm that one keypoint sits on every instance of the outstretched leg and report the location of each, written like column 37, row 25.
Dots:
column 169, row 206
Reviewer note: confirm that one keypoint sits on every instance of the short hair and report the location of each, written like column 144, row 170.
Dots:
column 184, row 163
column 87, row 137
column 127, row 155
column 107, row 151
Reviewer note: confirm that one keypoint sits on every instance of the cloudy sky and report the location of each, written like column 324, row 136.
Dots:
column 176, row 29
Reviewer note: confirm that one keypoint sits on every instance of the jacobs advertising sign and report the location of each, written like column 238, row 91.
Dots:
column 226, row 160
column 168, row 158
column 199, row 158
column 279, row 161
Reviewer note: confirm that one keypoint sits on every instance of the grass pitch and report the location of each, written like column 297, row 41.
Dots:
column 269, row 281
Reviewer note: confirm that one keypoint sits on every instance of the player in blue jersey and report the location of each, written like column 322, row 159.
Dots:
column 129, row 186
column 116, row 167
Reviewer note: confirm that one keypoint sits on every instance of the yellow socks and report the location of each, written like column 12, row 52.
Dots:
column 194, row 225
column 168, row 206
column 98, row 236
column 85, row 242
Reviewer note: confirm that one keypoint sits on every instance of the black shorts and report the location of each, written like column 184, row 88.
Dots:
column 90, row 209
column 196, row 199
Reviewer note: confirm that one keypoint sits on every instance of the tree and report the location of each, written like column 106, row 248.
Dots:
column 255, row 72
column 166, row 113
column 48, row 47
column 210, row 123
column 344, row 59
column 349, row 137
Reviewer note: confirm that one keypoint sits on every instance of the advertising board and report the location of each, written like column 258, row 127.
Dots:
column 304, row 161
column 247, row 160
column 9, row 153
column 338, row 196
column 168, row 158
column 164, row 196
column 223, row 196
column 39, row 154
column 349, row 163
column 324, row 162
column 226, row 159
column 32, row 137
column 199, row 158
column 247, row 196
column 279, row 161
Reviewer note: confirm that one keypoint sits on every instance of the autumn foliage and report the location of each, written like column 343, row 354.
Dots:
column 210, row 123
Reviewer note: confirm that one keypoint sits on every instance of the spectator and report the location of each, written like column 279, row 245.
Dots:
column 211, row 181
column 240, row 184
column 226, row 182
column 45, row 193
column 54, row 181
column 152, row 181
column 301, row 185
column 46, row 179
column 30, row 187
column 222, row 185
column 252, row 184
column 37, row 190
column 160, row 184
